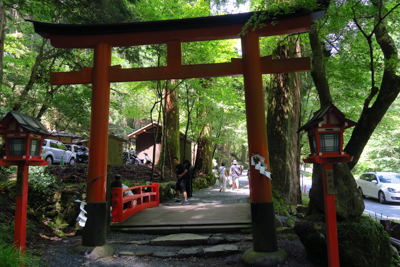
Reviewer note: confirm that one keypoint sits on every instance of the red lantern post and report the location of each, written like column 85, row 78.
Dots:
column 325, row 134
column 24, row 137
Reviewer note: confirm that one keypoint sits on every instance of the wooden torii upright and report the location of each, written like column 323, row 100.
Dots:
column 102, row 37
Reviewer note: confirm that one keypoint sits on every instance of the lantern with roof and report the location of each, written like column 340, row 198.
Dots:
column 325, row 135
column 24, row 137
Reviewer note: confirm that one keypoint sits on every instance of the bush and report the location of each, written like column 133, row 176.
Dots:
column 41, row 180
column 10, row 257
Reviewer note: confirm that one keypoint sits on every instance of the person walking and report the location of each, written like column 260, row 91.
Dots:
column 189, row 177
column 235, row 172
column 222, row 174
column 181, row 183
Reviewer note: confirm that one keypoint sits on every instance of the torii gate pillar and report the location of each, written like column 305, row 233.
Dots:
column 94, row 233
column 262, row 206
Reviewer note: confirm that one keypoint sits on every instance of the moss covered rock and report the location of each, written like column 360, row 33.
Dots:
column 200, row 183
column 348, row 201
column 164, row 190
column 362, row 242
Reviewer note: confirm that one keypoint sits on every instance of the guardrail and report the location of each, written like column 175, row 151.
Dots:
column 125, row 206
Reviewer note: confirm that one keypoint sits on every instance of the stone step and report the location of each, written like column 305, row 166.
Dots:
column 229, row 228
column 220, row 246
column 214, row 251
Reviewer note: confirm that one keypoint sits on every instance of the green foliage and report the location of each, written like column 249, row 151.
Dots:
column 6, row 228
column 7, row 170
column 41, row 180
column 281, row 206
column 213, row 103
column 9, row 257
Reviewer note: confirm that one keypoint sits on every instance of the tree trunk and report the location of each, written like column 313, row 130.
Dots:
column 388, row 92
column 208, row 159
column 351, row 204
column 283, row 120
column 243, row 156
column 200, row 154
column 32, row 79
column 2, row 36
column 208, row 152
column 318, row 67
column 172, row 125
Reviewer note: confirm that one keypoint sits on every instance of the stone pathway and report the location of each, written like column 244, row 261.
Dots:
column 212, row 196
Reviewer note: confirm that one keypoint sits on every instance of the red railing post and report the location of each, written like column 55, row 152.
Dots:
column 117, row 204
column 157, row 190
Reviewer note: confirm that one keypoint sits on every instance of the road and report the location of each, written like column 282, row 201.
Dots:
column 305, row 184
column 372, row 206
column 390, row 210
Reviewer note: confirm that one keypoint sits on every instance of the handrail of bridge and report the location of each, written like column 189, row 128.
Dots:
column 125, row 206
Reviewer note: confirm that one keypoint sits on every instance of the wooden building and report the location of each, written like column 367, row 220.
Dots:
column 144, row 138
column 65, row 138
column 115, row 149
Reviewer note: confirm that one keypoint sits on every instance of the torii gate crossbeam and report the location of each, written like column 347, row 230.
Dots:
column 173, row 32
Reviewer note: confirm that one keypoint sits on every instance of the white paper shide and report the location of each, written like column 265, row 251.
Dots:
column 258, row 162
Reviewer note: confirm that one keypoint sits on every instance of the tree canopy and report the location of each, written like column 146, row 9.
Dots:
column 350, row 36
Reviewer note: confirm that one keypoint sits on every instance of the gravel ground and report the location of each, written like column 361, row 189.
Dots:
column 60, row 253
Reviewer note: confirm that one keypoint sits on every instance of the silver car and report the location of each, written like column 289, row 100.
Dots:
column 384, row 186
column 53, row 151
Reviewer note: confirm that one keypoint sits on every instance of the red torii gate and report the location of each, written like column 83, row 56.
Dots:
column 102, row 37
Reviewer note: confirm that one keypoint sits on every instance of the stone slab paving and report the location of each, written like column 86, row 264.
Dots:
column 195, row 244
column 220, row 250
column 180, row 240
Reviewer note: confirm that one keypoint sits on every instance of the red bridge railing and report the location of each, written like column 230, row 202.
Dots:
column 125, row 206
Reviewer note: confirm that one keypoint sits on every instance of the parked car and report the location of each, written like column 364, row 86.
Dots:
column 82, row 152
column 53, row 150
column 384, row 186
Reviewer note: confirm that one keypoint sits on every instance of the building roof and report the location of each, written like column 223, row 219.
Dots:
column 117, row 138
column 26, row 122
column 143, row 129
column 319, row 116
column 63, row 134
column 149, row 127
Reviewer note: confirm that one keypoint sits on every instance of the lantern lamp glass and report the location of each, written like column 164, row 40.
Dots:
column 34, row 148
column 313, row 144
column 16, row 146
column 330, row 142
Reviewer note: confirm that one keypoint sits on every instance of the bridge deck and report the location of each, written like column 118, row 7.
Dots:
column 208, row 208
column 190, row 215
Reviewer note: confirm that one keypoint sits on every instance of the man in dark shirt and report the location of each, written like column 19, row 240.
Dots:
column 181, row 183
